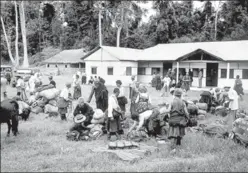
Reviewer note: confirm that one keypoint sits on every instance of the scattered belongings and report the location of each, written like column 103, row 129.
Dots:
column 128, row 154
column 221, row 111
column 122, row 145
column 202, row 106
column 138, row 136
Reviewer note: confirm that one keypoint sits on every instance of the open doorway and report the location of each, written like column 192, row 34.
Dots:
column 166, row 67
column 212, row 74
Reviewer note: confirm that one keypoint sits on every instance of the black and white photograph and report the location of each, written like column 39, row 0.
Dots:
column 124, row 86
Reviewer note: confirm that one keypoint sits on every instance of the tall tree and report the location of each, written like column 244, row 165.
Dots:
column 17, row 34
column 23, row 28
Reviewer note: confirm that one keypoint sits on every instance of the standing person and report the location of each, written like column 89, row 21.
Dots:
column 131, row 87
column 200, row 76
column 3, row 88
column 238, row 87
column 8, row 76
column 101, row 95
column 169, row 73
column 233, row 104
column 186, row 82
column 133, row 99
column 77, row 88
column 177, row 119
column 79, row 74
column 84, row 78
column 20, row 86
column 114, row 115
column 52, row 82
column 158, row 82
column 165, row 89
column 191, row 76
column 64, row 101
column 122, row 100
column 91, row 81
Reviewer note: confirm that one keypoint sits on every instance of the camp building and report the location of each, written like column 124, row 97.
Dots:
column 220, row 62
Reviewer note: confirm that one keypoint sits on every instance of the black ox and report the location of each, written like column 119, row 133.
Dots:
column 9, row 110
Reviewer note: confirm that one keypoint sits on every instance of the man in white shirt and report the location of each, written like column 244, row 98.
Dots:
column 233, row 103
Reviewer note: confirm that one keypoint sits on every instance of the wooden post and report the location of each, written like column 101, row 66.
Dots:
column 228, row 71
column 177, row 71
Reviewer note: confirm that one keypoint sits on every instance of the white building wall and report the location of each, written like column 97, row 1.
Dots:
column 119, row 71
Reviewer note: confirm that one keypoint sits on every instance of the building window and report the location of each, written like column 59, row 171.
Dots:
column 48, row 65
column 93, row 70
column 128, row 71
column 56, row 65
column 141, row 71
column 110, row 71
column 245, row 74
column 155, row 71
column 223, row 73
column 231, row 73
column 66, row 66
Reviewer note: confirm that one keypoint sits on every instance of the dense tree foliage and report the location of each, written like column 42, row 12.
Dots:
column 74, row 24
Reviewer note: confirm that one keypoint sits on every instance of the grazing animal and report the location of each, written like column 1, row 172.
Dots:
column 9, row 114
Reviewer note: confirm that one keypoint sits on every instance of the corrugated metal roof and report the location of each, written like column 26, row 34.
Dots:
column 227, row 50
column 108, row 53
column 67, row 56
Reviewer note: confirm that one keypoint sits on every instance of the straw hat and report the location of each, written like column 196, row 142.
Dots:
column 98, row 114
column 79, row 118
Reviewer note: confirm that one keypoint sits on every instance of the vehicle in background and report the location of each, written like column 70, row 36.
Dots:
column 25, row 73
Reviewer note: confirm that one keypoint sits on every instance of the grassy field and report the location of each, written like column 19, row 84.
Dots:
column 41, row 146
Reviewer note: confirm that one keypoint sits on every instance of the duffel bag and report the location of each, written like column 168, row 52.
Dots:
column 192, row 109
column 202, row 112
column 50, row 108
column 242, row 139
column 53, row 102
column 37, row 110
column 202, row 106
column 73, row 135
column 50, row 93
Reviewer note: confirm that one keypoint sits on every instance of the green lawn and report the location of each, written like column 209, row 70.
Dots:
column 42, row 146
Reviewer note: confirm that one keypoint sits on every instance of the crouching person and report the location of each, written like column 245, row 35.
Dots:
column 64, row 101
column 85, row 109
column 178, row 119
column 114, row 116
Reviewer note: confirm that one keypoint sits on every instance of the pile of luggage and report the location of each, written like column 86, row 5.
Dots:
column 240, row 130
column 122, row 145
column 45, row 100
column 197, row 110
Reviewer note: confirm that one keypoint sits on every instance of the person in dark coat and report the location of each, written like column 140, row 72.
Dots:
column 178, row 118
column 158, row 82
column 8, row 77
column 84, row 78
column 238, row 87
column 101, row 95
column 191, row 76
column 52, row 82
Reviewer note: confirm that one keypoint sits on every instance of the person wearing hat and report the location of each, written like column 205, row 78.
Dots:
column 101, row 95
column 200, row 76
column 85, row 109
column 233, row 104
column 114, row 114
column 178, row 117
column 52, row 82
column 122, row 100
column 64, row 100
column 79, row 123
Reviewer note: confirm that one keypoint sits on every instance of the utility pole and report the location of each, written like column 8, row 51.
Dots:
column 100, row 27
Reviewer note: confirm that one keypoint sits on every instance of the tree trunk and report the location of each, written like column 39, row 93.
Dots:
column 24, row 39
column 118, row 37
column 7, row 42
column 16, row 40
column 216, row 22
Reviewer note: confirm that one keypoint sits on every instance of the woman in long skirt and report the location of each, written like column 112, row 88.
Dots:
column 186, row 82
column 77, row 88
column 114, row 115
column 178, row 119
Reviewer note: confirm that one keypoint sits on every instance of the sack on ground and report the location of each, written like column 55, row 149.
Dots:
column 50, row 93
column 53, row 102
column 44, row 87
column 216, row 130
column 138, row 136
column 37, row 110
column 72, row 136
column 50, row 108
column 192, row 109
column 201, row 112
column 202, row 106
